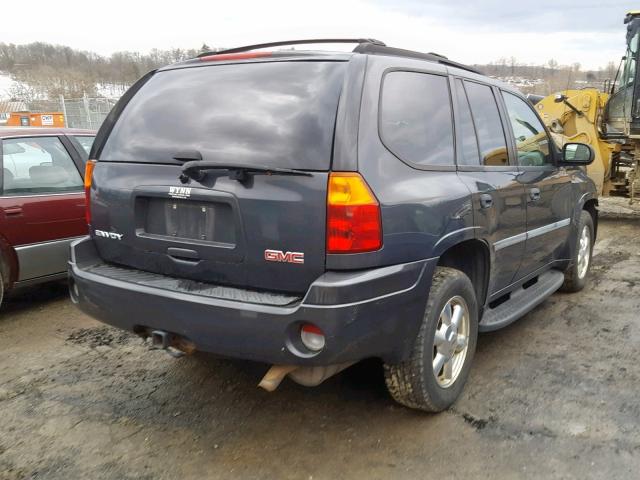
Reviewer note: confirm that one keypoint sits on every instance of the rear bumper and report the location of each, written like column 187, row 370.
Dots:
column 372, row 313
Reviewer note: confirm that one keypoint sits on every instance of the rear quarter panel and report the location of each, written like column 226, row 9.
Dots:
column 423, row 211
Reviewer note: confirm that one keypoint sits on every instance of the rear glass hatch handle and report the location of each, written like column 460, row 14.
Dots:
column 197, row 169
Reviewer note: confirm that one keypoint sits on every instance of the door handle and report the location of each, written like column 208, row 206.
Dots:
column 13, row 211
column 534, row 194
column 486, row 200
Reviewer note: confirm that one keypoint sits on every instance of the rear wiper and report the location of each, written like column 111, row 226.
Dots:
column 197, row 169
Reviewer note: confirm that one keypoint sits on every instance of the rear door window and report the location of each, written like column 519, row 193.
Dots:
column 278, row 114
column 37, row 165
column 415, row 118
column 486, row 118
column 469, row 151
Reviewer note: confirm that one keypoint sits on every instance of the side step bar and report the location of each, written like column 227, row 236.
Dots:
column 521, row 301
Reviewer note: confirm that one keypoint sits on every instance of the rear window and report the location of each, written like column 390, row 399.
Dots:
column 278, row 114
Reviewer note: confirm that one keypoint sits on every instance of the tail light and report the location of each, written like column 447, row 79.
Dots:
column 353, row 215
column 88, row 178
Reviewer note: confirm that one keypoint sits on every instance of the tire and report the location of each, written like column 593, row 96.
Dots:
column 413, row 382
column 575, row 277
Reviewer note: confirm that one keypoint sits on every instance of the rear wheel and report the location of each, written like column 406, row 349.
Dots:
column 435, row 374
column 575, row 277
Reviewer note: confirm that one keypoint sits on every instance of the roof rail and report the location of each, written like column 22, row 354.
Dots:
column 372, row 48
column 247, row 48
column 365, row 45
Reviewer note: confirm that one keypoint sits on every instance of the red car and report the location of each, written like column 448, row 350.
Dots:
column 41, row 202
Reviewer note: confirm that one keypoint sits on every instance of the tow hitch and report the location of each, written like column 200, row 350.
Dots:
column 174, row 345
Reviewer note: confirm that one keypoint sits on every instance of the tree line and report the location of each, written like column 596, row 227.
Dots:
column 549, row 77
column 45, row 71
column 42, row 70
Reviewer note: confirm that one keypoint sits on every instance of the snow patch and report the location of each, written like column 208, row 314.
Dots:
column 110, row 90
column 5, row 85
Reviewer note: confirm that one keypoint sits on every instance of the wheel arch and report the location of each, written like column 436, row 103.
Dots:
column 8, row 264
column 591, row 206
column 473, row 258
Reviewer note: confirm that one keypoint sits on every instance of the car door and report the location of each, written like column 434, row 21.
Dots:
column 41, row 203
column 549, row 191
column 484, row 165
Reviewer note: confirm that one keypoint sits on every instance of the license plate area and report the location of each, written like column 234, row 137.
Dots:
column 191, row 220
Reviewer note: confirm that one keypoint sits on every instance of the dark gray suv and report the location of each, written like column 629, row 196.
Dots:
column 312, row 209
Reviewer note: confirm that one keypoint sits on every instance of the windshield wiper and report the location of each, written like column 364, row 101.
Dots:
column 197, row 169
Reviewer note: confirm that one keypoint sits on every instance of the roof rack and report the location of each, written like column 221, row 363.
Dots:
column 400, row 52
column 365, row 45
column 247, row 48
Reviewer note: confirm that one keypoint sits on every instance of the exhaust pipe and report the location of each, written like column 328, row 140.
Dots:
column 274, row 376
column 306, row 376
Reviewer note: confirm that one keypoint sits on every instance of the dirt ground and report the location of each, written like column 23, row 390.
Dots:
column 555, row 395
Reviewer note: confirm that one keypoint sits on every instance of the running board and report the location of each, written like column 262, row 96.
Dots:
column 522, row 301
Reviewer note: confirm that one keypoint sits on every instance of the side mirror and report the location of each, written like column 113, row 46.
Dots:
column 575, row 154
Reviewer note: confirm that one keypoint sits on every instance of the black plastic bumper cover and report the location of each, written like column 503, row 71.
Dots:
column 370, row 313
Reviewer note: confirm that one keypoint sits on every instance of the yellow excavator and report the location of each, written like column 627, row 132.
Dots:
column 608, row 121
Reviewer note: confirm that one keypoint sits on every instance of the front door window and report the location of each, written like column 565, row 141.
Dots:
column 532, row 143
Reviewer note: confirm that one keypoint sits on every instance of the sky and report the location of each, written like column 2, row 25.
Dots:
column 569, row 31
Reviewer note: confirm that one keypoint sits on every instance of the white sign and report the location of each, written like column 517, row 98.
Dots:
column 179, row 192
column 47, row 119
column 4, row 117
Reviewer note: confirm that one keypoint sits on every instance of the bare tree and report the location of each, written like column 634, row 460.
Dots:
column 513, row 62
column 25, row 92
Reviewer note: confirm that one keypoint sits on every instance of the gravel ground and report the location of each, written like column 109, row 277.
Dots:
column 554, row 395
column 618, row 208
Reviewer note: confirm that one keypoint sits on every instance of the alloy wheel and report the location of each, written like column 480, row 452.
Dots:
column 584, row 252
column 451, row 341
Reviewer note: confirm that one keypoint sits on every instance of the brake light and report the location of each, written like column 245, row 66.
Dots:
column 234, row 56
column 88, row 178
column 353, row 215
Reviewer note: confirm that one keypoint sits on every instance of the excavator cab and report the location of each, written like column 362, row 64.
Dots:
column 621, row 117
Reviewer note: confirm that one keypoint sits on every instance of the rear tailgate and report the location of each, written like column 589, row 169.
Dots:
column 267, row 232
column 216, row 235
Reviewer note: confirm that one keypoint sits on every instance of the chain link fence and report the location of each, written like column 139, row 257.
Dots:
column 85, row 112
